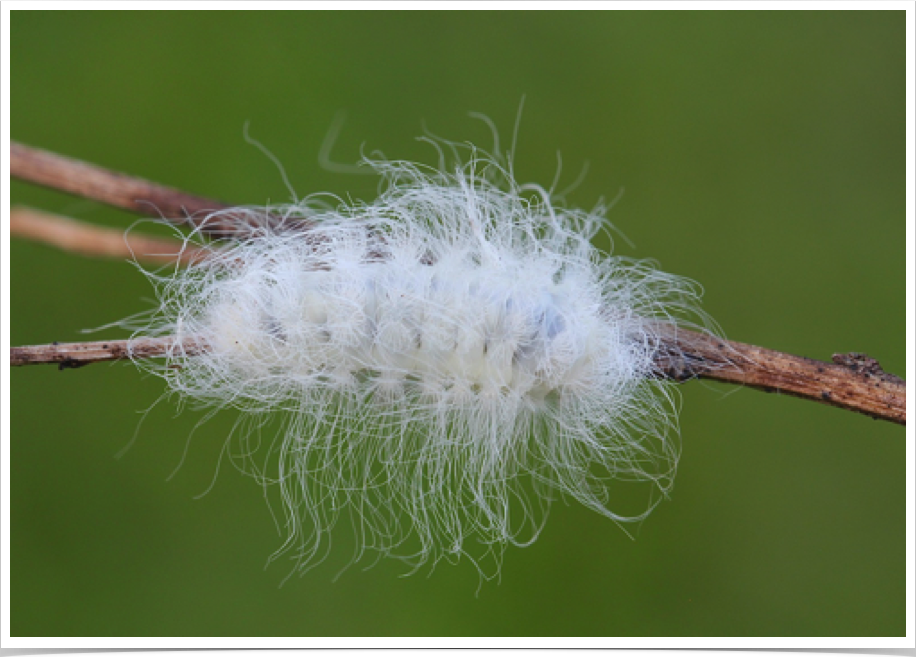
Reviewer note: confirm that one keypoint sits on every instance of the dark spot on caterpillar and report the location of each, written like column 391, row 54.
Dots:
column 275, row 329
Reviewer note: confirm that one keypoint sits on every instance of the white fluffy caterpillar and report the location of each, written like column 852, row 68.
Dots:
column 449, row 358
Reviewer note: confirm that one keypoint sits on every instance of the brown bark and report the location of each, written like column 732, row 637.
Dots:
column 90, row 240
column 127, row 192
column 854, row 382
column 76, row 354
column 87, row 180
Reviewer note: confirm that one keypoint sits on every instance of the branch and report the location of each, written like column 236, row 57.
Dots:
column 854, row 382
column 93, row 182
column 129, row 193
column 90, row 240
column 76, row 354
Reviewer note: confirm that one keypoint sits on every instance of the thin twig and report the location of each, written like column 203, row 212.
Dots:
column 853, row 381
column 76, row 354
column 99, row 184
column 91, row 240
column 126, row 192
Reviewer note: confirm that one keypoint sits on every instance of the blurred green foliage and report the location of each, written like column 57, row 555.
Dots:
column 761, row 154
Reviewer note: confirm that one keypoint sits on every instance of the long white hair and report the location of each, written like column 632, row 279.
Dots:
column 447, row 359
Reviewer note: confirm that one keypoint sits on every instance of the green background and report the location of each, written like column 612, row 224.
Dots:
column 761, row 154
